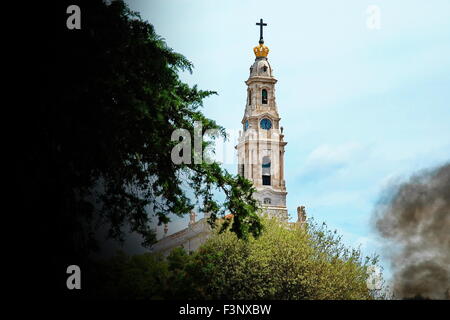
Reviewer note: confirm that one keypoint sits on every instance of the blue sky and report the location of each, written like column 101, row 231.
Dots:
column 361, row 108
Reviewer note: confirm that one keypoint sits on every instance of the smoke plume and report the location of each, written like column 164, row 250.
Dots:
column 414, row 220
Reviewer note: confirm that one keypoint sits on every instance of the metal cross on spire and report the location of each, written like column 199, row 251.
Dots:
column 261, row 26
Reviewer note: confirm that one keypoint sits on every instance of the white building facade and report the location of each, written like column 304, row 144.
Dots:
column 190, row 238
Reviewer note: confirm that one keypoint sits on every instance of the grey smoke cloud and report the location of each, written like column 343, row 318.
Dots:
column 413, row 218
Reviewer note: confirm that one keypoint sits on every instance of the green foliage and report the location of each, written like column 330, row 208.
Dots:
column 286, row 262
column 102, row 153
column 128, row 277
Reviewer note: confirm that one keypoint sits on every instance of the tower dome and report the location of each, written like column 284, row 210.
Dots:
column 261, row 68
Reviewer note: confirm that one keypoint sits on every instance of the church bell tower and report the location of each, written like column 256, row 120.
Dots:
column 261, row 143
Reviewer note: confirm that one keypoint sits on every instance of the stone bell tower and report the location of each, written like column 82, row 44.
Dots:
column 261, row 145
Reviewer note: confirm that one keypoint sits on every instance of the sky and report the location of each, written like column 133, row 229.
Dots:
column 361, row 107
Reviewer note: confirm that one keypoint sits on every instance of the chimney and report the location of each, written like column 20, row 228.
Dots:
column 192, row 216
column 301, row 215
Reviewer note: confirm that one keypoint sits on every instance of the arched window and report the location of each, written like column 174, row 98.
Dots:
column 264, row 96
column 267, row 201
column 249, row 97
column 266, row 171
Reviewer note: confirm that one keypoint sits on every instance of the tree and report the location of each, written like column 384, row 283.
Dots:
column 127, row 277
column 98, row 145
column 107, row 131
column 286, row 262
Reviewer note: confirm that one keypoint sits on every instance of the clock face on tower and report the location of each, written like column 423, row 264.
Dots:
column 246, row 125
column 266, row 124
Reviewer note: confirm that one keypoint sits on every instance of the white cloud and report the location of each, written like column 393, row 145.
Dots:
column 334, row 198
column 329, row 159
column 333, row 154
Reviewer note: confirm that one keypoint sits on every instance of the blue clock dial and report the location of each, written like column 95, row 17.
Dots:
column 246, row 125
column 266, row 124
